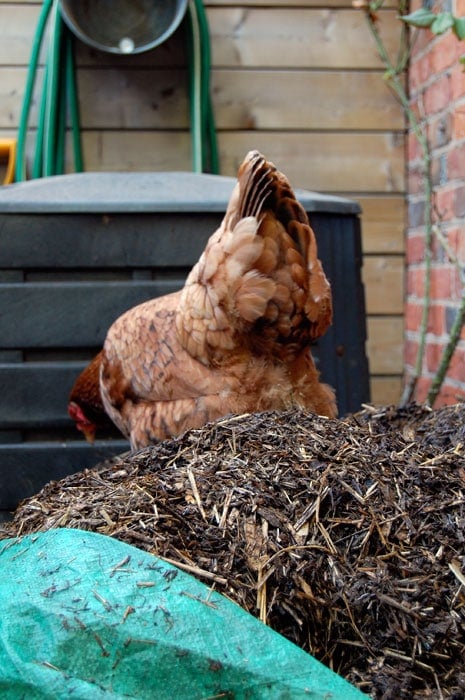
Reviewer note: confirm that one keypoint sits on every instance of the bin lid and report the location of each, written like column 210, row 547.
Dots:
column 126, row 192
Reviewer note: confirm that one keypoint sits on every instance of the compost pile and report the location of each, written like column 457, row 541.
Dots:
column 346, row 536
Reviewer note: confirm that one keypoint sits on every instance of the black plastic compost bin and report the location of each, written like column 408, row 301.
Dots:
column 78, row 250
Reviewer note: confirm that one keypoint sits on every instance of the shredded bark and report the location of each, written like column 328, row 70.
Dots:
column 347, row 537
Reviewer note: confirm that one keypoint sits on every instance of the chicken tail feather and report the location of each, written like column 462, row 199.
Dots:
column 261, row 268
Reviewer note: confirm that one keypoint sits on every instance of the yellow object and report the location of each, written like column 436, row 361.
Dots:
column 8, row 152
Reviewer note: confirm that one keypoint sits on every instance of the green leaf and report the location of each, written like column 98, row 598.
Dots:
column 419, row 18
column 443, row 22
column 459, row 27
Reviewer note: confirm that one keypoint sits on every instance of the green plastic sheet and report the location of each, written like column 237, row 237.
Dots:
column 85, row 616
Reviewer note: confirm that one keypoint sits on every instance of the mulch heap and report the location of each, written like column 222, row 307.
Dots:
column 346, row 536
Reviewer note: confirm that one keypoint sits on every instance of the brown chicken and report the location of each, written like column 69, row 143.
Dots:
column 85, row 405
column 237, row 337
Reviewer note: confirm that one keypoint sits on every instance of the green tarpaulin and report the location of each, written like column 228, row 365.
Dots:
column 85, row 616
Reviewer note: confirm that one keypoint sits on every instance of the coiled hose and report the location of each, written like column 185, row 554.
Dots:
column 203, row 132
column 59, row 96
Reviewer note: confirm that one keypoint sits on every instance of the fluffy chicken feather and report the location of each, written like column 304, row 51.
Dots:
column 237, row 337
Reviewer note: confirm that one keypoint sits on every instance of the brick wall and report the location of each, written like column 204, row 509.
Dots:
column 437, row 92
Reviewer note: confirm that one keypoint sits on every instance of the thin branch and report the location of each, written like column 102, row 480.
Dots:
column 450, row 253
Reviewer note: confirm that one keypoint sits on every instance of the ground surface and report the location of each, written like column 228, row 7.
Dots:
column 347, row 537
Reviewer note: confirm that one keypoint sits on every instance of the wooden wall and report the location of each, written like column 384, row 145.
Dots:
column 300, row 81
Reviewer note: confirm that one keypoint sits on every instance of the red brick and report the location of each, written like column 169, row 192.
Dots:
column 438, row 253
column 423, row 41
column 433, row 354
column 457, row 76
column 413, row 314
column 415, row 248
column 416, row 212
column 457, row 284
column 421, row 389
column 436, row 320
column 416, row 282
column 456, row 162
column 445, row 283
column 443, row 53
column 459, row 201
column 458, row 123
column 445, row 203
column 459, row 8
column 456, row 240
column 413, row 147
column 410, row 352
column 440, row 130
column 442, row 283
column 439, row 171
column 456, row 368
column 415, row 5
column 414, row 181
column 420, row 72
column 448, row 395
column 438, row 95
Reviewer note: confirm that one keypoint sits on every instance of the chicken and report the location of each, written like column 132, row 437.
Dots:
column 237, row 337
column 85, row 405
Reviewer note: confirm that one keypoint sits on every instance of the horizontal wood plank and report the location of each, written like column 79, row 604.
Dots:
column 339, row 162
column 383, row 277
column 246, row 37
column 18, row 24
column 383, row 223
column 135, row 151
column 385, row 390
column 385, row 344
column 118, row 98
column 294, row 37
column 342, row 162
column 304, row 100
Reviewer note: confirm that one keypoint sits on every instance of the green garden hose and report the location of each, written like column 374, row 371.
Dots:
column 73, row 103
column 203, row 133
column 52, row 85
column 30, row 82
column 59, row 94
column 59, row 99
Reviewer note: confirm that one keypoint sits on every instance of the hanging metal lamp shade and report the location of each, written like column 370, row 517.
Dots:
column 123, row 26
